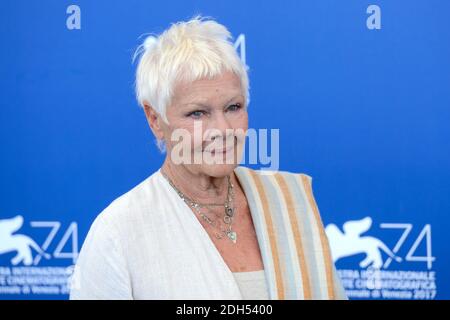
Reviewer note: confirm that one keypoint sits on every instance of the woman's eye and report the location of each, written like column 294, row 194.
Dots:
column 196, row 114
column 234, row 107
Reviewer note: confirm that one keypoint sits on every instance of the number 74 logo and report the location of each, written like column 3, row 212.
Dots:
column 71, row 234
column 351, row 240
column 425, row 234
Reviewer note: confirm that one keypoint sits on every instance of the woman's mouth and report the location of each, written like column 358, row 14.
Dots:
column 221, row 150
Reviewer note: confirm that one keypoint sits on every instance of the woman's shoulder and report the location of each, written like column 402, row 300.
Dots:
column 277, row 188
column 114, row 235
column 242, row 171
column 141, row 200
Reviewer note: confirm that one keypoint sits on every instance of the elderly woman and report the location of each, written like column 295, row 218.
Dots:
column 202, row 227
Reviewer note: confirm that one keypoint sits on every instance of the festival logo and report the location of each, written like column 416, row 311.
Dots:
column 382, row 273
column 28, row 267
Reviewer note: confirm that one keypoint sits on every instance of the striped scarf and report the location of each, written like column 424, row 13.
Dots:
column 294, row 247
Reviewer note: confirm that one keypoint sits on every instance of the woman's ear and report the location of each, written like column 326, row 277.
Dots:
column 154, row 121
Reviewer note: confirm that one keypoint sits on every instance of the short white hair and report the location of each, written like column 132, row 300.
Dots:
column 187, row 51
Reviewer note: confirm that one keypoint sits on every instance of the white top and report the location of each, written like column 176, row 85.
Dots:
column 252, row 285
column 148, row 244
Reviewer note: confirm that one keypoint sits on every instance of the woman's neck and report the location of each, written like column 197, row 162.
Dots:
column 197, row 186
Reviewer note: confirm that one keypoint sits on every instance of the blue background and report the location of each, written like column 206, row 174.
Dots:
column 364, row 112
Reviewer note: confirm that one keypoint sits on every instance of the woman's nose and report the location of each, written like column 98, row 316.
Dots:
column 220, row 123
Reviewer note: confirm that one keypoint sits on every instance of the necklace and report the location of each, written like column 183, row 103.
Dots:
column 228, row 206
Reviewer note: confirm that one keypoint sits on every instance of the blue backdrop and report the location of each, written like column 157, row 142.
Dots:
column 360, row 94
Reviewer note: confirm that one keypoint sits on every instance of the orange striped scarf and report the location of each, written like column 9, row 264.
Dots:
column 294, row 247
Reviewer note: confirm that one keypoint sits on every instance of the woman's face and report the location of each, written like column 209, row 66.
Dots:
column 206, row 117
